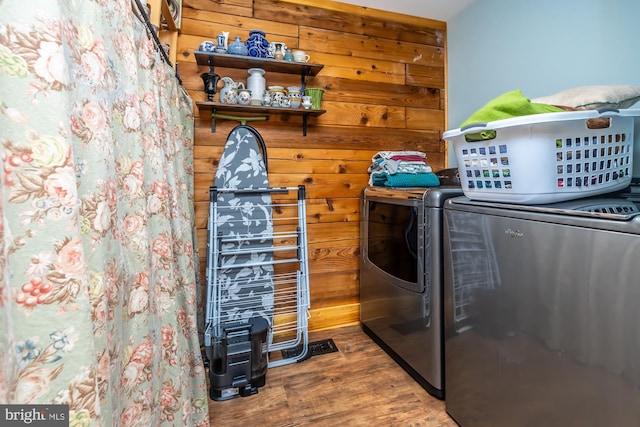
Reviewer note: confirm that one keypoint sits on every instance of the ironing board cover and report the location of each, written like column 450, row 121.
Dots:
column 247, row 291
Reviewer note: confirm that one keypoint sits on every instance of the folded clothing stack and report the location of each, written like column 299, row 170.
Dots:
column 401, row 169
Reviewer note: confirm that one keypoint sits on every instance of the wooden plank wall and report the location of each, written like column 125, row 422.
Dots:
column 384, row 81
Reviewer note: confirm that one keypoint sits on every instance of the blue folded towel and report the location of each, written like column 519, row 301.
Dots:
column 384, row 179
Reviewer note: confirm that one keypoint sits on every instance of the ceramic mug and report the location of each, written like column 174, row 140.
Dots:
column 294, row 102
column 300, row 56
column 244, row 96
column 277, row 93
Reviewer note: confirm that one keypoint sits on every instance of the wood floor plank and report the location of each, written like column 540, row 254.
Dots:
column 360, row 385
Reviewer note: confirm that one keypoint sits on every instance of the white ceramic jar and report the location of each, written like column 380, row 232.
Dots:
column 256, row 83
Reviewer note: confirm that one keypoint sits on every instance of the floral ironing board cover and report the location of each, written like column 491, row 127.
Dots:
column 245, row 225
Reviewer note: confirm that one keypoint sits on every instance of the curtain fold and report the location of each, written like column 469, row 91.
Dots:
column 98, row 278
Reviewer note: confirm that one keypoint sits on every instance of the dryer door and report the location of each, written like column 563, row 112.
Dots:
column 393, row 241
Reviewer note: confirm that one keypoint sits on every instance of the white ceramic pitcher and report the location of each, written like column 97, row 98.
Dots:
column 229, row 93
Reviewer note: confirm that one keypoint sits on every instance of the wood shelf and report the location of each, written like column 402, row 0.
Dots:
column 255, row 110
column 274, row 65
column 304, row 69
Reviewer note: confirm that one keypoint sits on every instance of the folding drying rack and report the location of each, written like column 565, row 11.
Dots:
column 257, row 267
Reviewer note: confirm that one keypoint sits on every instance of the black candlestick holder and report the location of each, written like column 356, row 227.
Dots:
column 210, row 84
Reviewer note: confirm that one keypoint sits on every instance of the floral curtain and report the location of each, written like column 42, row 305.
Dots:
column 98, row 283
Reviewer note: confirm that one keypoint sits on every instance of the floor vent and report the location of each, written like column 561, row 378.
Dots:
column 316, row 348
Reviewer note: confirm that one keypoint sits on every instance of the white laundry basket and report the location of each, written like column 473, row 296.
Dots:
column 545, row 158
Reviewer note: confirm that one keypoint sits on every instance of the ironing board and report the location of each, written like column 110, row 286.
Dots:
column 245, row 220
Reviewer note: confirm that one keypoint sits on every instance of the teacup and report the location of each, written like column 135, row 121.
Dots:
column 300, row 56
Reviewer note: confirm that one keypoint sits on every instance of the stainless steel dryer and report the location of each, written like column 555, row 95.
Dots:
column 401, row 277
column 542, row 312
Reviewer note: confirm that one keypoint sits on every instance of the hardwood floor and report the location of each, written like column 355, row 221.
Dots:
column 360, row 385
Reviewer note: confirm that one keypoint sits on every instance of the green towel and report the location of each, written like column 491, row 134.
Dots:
column 384, row 179
column 510, row 104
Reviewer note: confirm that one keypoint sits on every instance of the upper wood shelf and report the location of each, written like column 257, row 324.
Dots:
column 274, row 65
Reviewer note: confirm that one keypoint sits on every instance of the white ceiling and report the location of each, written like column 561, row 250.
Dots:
column 441, row 10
